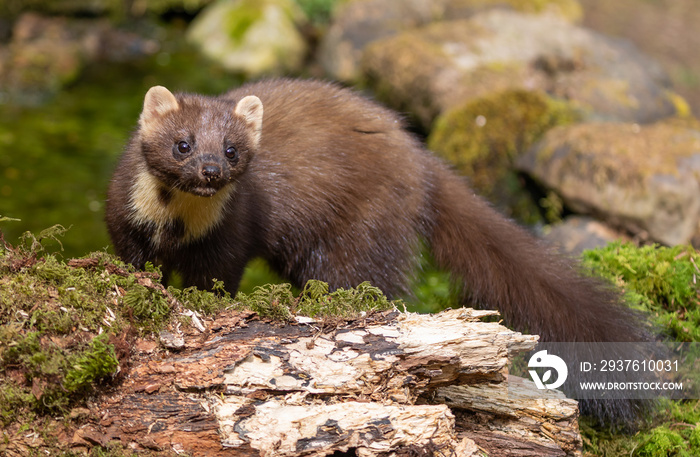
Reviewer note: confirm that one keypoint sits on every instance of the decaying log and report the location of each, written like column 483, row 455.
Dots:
column 514, row 418
column 391, row 384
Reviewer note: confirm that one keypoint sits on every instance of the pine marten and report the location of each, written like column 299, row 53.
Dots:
column 326, row 184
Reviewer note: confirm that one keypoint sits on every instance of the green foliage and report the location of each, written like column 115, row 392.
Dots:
column 432, row 290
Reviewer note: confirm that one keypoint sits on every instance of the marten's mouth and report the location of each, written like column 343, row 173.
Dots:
column 204, row 191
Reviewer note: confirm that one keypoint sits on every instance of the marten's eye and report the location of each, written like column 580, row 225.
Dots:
column 231, row 153
column 183, row 147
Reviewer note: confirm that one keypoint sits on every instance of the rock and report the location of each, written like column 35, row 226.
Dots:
column 250, row 36
column 483, row 138
column 46, row 53
column 569, row 10
column 576, row 233
column 644, row 179
column 432, row 69
column 360, row 22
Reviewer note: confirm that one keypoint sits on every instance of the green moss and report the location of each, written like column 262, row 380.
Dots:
column 147, row 305
column 278, row 301
column 392, row 83
column 316, row 301
column 660, row 280
column 483, row 138
column 46, row 376
column 203, row 301
column 662, row 442
column 274, row 301
column 240, row 19
column 98, row 361
column 318, row 11
column 605, row 152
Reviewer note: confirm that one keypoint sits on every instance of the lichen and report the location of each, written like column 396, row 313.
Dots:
column 683, row 109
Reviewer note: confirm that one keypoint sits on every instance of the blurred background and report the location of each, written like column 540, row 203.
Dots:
column 73, row 74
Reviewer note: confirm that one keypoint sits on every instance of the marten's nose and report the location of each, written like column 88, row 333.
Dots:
column 211, row 172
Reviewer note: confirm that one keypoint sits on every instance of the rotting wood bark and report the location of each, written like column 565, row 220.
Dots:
column 378, row 387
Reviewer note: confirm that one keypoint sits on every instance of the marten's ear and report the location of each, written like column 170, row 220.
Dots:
column 250, row 108
column 158, row 102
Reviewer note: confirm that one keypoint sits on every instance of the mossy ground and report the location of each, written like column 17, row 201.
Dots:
column 67, row 327
column 662, row 282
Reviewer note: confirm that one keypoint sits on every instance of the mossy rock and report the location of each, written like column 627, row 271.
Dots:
column 435, row 68
column 358, row 23
column 484, row 137
column 252, row 37
column 642, row 178
column 571, row 10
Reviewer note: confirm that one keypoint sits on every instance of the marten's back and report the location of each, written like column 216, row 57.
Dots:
column 336, row 168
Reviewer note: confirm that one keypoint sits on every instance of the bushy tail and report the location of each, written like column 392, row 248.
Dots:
column 502, row 266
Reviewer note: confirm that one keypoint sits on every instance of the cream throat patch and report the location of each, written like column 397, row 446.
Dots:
column 199, row 215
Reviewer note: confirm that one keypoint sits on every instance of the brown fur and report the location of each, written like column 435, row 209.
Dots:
column 333, row 189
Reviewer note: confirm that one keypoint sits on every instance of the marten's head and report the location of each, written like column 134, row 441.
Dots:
column 197, row 144
column 193, row 148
